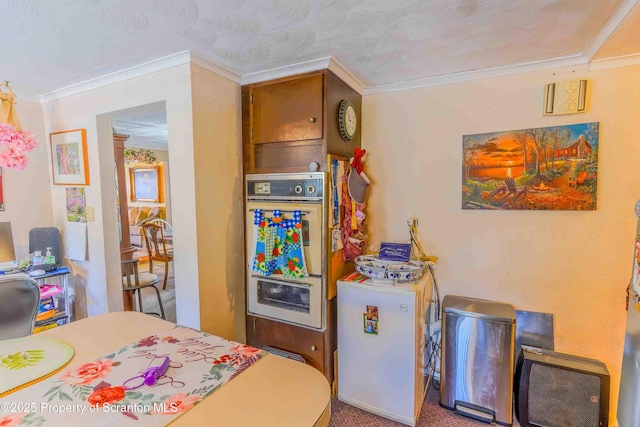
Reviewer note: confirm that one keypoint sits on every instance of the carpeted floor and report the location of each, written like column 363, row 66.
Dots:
column 431, row 415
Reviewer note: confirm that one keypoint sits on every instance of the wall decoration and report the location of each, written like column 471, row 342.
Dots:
column 69, row 157
column 139, row 155
column 1, row 193
column 17, row 141
column 550, row 168
column 146, row 184
column 76, row 205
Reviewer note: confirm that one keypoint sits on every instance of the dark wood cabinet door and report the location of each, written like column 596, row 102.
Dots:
column 289, row 110
column 305, row 342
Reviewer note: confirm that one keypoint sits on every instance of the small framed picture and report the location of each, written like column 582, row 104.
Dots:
column 76, row 205
column 372, row 312
column 69, row 159
column 370, row 326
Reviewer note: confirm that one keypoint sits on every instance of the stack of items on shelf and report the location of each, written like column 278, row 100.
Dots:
column 48, row 307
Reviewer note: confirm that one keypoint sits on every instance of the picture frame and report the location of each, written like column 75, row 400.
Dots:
column 76, row 204
column 146, row 184
column 547, row 168
column 370, row 326
column 69, row 157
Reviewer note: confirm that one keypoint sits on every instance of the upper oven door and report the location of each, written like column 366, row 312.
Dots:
column 311, row 230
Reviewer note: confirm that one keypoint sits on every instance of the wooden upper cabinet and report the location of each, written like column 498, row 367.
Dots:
column 291, row 123
column 287, row 111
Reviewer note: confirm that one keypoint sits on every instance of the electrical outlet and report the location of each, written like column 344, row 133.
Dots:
column 412, row 221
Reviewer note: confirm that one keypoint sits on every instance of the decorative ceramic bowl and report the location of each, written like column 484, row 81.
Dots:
column 392, row 271
column 371, row 267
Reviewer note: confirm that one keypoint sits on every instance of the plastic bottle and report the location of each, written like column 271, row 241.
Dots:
column 49, row 259
column 37, row 258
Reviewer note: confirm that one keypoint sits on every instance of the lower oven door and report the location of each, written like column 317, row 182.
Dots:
column 297, row 302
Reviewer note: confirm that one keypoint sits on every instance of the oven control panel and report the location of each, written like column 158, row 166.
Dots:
column 283, row 186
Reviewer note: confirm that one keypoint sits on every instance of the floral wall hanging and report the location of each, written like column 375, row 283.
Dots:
column 14, row 142
column 139, row 155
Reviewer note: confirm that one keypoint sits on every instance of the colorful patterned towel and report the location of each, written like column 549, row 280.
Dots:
column 279, row 245
column 92, row 394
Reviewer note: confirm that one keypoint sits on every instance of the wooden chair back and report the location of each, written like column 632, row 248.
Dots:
column 154, row 238
column 129, row 271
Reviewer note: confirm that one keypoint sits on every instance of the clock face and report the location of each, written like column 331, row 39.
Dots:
column 347, row 120
column 350, row 121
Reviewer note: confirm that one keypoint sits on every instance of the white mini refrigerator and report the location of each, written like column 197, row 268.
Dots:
column 381, row 357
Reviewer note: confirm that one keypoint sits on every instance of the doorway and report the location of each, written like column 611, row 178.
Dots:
column 142, row 176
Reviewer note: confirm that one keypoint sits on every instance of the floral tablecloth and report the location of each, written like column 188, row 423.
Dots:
column 92, row 394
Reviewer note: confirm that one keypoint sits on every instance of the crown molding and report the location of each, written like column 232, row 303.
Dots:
column 118, row 76
column 528, row 67
column 323, row 63
column 214, row 68
column 286, row 71
column 617, row 62
column 610, row 27
column 345, row 75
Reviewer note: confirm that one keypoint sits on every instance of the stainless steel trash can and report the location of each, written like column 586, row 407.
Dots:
column 478, row 344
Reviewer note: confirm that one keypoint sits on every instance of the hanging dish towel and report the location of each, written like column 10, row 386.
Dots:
column 279, row 245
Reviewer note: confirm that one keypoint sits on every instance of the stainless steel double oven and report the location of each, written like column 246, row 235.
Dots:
column 290, row 300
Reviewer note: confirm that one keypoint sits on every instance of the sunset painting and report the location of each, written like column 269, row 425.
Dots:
column 551, row 168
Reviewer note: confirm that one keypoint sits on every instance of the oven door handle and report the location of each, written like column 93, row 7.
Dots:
column 289, row 282
column 281, row 210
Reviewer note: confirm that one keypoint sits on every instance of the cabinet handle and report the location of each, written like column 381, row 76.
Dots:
column 254, row 324
column 312, row 119
column 314, row 348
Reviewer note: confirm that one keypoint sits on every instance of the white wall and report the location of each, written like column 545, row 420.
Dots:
column 203, row 123
column 27, row 197
column 97, row 281
column 575, row 265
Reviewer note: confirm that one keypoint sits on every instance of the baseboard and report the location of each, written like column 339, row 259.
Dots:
column 373, row 410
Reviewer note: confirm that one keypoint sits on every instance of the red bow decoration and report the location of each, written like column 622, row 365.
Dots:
column 357, row 160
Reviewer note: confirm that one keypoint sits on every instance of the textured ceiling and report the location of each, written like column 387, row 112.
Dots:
column 146, row 125
column 47, row 45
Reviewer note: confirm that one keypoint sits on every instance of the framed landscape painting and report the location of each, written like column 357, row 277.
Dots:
column 550, row 168
column 69, row 157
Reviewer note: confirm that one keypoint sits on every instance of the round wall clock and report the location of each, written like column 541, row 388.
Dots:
column 347, row 120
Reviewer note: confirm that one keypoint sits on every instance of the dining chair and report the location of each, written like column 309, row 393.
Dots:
column 157, row 248
column 134, row 281
column 19, row 301
column 166, row 225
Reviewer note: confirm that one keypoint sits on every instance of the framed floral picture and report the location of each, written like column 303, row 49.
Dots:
column 76, row 205
column 69, row 159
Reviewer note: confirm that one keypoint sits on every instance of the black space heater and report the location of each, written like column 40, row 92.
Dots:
column 560, row 390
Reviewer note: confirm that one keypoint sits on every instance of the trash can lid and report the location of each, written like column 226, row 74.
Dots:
column 480, row 308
